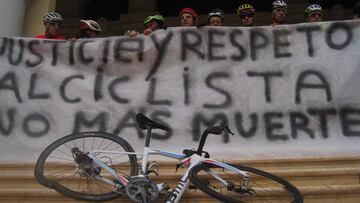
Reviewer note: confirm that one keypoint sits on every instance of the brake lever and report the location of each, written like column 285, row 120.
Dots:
column 206, row 154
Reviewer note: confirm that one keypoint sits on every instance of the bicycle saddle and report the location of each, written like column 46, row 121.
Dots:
column 145, row 122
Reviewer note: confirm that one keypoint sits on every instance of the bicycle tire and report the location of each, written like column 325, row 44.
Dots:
column 278, row 189
column 57, row 169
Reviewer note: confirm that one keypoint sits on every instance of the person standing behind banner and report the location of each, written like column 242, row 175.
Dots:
column 52, row 22
column 89, row 29
column 188, row 17
column 153, row 22
column 216, row 18
column 278, row 12
column 246, row 13
column 313, row 13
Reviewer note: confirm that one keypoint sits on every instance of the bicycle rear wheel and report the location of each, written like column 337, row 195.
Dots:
column 262, row 186
column 57, row 169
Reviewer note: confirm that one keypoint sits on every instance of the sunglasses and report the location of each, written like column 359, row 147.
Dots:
column 244, row 15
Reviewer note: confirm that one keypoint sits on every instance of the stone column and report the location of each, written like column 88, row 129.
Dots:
column 35, row 10
column 12, row 17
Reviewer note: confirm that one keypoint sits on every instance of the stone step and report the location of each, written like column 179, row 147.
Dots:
column 268, row 164
column 325, row 171
column 319, row 179
column 312, row 194
column 298, row 177
column 316, row 162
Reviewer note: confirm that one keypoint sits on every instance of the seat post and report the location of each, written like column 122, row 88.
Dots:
column 148, row 134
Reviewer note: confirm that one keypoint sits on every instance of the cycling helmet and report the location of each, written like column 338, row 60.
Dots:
column 158, row 18
column 216, row 12
column 52, row 17
column 189, row 10
column 313, row 8
column 90, row 24
column 278, row 4
column 245, row 8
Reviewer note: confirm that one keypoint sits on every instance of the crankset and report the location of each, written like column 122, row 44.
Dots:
column 141, row 189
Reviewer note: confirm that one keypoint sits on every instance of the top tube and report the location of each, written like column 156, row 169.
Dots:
column 167, row 154
column 151, row 151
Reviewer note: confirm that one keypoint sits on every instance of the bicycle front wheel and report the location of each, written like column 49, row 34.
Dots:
column 260, row 187
column 56, row 166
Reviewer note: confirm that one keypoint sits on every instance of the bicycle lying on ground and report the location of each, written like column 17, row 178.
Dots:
column 97, row 166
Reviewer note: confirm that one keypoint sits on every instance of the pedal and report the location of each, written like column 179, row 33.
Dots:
column 163, row 188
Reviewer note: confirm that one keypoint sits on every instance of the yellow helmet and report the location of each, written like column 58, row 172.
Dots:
column 245, row 8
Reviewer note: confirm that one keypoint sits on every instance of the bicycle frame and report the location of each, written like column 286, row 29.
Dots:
column 183, row 184
column 101, row 168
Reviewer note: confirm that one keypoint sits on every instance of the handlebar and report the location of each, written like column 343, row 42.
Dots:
column 216, row 130
column 146, row 123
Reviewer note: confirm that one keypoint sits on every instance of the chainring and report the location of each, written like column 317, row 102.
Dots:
column 141, row 189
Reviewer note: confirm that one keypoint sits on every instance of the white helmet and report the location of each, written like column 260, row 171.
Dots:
column 52, row 17
column 313, row 8
column 90, row 24
column 216, row 12
column 278, row 4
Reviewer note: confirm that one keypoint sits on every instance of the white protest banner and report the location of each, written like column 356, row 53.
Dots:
column 288, row 91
